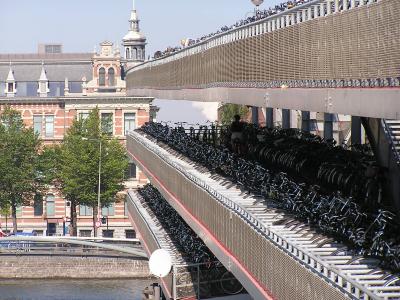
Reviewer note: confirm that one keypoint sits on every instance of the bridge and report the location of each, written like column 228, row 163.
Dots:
column 323, row 56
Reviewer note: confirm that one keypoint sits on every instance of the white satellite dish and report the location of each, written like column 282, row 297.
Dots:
column 257, row 2
column 160, row 263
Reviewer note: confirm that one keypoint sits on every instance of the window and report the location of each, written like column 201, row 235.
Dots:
column 128, row 53
column 38, row 206
column 107, row 123
column 108, row 210
column 131, row 172
column 49, row 126
column 37, row 124
column 85, row 233
column 83, row 115
column 10, row 87
column 108, row 233
column 129, row 122
column 50, row 206
column 134, row 53
column 85, row 210
column 111, row 77
column 130, row 234
column 102, row 77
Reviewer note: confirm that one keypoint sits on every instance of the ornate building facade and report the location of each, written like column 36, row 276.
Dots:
column 50, row 89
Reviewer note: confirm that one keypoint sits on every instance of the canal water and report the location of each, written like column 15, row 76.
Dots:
column 73, row 289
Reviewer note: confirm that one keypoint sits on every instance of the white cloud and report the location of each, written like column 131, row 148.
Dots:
column 208, row 109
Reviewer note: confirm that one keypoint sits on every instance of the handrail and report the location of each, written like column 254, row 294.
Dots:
column 347, row 285
column 25, row 239
column 389, row 135
column 130, row 198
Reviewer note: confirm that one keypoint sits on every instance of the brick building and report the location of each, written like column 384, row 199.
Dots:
column 50, row 89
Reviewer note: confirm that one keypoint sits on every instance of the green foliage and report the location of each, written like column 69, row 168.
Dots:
column 19, row 177
column 228, row 111
column 79, row 167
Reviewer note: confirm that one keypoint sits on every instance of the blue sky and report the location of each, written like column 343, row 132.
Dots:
column 81, row 24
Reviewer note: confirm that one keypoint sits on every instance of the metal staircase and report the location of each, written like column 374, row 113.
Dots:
column 393, row 132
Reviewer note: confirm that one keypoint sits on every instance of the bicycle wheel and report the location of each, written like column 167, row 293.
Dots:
column 230, row 285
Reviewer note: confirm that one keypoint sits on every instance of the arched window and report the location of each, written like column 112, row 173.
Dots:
column 111, row 77
column 139, row 54
column 128, row 53
column 134, row 53
column 102, row 77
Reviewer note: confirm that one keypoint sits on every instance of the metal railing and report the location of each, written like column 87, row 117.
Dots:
column 34, row 245
column 327, row 273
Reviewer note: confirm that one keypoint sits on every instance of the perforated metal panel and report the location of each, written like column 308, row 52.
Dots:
column 360, row 43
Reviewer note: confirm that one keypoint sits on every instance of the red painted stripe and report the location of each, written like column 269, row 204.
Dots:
column 263, row 290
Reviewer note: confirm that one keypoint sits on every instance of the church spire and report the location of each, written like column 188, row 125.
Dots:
column 134, row 41
column 134, row 20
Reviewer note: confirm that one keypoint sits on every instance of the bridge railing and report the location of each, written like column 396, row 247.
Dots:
column 321, row 44
column 70, row 246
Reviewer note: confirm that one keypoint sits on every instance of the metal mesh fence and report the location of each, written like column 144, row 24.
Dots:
column 360, row 43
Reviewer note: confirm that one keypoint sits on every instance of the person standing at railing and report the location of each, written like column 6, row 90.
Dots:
column 237, row 139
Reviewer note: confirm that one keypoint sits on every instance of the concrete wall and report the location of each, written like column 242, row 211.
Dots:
column 41, row 267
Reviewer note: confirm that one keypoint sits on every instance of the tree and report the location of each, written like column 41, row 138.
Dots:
column 5, row 211
column 228, row 111
column 18, row 162
column 79, row 170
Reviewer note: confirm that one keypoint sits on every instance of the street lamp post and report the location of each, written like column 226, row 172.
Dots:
column 98, row 189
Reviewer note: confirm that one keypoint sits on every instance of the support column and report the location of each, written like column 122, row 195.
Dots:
column 269, row 117
column 355, row 130
column 286, row 118
column 254, row 115
column 328, row 126
column 305, row 121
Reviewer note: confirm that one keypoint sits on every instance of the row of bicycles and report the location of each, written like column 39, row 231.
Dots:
column 371, row 230
column 205, row 276
column 185, row 239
